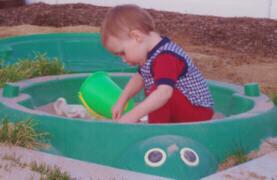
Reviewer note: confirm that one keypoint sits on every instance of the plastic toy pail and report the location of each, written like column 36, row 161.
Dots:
column 99, row 93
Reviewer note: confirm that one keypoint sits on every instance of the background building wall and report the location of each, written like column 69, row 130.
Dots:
column 273, row 9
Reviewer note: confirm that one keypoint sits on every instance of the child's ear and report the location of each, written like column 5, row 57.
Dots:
column 136, row 34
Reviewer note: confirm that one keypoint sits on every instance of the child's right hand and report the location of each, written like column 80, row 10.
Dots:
column 117, row 110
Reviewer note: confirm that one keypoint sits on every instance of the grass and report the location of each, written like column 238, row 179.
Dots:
column 22, row 134
column 240, row 157
column 238, row 154
column 273, row 96
column 40, row 65
column 48, row 172
column 272, row 93
column 15, row 160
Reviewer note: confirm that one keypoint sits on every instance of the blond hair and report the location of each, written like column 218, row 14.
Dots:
column 122, row 19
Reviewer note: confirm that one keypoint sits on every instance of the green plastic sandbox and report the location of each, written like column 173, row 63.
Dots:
column 187, row 150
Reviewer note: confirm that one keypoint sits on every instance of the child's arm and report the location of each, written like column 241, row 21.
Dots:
column 154, row 101
column 134, row 85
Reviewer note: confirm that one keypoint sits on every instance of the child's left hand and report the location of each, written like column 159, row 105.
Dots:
column 154, row 101
column 127, row 119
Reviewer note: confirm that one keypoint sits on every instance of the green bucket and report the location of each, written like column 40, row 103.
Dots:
column 99, row 93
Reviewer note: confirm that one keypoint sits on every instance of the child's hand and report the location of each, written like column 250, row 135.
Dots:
column 127, row 118
column 117, row 110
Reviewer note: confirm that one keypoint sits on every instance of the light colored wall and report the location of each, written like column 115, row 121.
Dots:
column 224, row 8
column 274, row 9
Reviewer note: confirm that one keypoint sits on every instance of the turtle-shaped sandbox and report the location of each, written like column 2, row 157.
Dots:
column 179, row 151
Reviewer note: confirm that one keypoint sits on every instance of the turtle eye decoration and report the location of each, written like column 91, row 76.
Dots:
column 155, row 157
column 189, row 157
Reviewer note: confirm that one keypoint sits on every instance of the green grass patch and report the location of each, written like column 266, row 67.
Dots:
column 40, row 65
column 22, row 134
column 272, row 93
column 16, row 160
column 274, row 97
column 48, row 172
column 240, row 157
column 238, row 154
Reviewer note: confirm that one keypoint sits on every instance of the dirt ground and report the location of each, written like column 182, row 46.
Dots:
column 235, row 50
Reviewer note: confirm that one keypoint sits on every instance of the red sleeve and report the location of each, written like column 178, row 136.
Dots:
column 166, row 69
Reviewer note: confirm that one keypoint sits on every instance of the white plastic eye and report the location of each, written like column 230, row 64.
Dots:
column 155, row 157
column 189, row 157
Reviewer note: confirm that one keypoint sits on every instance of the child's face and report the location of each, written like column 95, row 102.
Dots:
column 132, row 49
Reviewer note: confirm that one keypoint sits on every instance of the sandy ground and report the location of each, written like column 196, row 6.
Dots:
column 6, row 31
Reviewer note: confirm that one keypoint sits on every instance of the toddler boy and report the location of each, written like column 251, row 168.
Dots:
column 175, row 89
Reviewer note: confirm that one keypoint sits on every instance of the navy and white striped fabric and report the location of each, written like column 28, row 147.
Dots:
column 191, row 82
